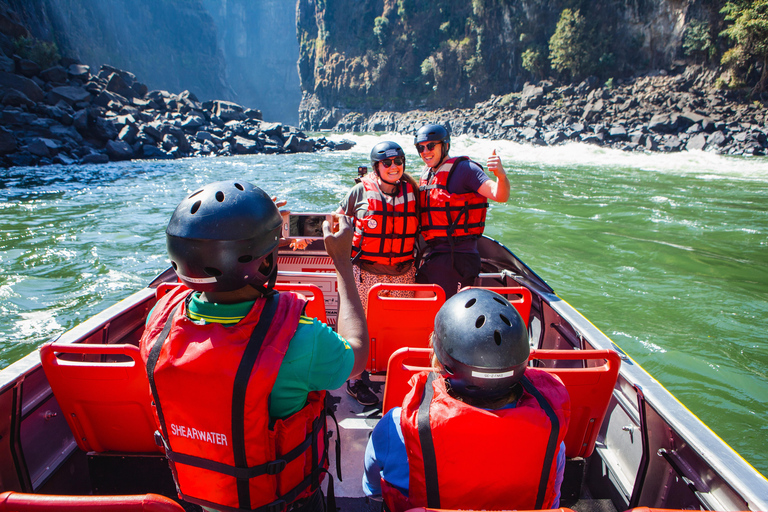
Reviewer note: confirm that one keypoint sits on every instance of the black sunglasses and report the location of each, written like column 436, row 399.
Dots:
column 398, row 160
column 426, row 147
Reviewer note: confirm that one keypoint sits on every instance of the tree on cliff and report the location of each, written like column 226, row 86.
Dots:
column 749, row 32
column 570, row 51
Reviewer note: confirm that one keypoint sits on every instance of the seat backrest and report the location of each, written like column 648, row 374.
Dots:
column 395, row 322
column 590, row 389
column 519, row 296
column 24, row 502
column 403, row 364
column 315, row 299
column 106, row 404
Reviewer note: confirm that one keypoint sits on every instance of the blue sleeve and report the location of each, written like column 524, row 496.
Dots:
column 560, row 473
column 385, row 456
column 466, row 178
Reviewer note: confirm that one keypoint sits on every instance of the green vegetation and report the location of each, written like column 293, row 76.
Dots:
column 749, row 33
column 570, row 48
column 381, row 29
column 697, row 41
column 535, row 61
column 45, row 54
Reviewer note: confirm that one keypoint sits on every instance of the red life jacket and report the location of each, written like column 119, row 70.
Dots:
column 446, row 215
column 211, row 387
column 464, row 457
column 386, row 232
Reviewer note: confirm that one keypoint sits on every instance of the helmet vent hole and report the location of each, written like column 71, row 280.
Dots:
column 480, row 321
column 245, row 259
column 220, row 196
column 448, row 369
column 505, row 320
column 214, row 272
column 500, row 301
column 195, row 207
column 175, row 267
column 239, row 186
column 470, row 303
column 497, row 337
column 193, row 194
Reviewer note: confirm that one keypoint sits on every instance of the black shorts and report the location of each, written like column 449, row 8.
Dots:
column 436, row 268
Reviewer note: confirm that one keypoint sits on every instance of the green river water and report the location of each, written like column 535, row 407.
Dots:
column 666, row 254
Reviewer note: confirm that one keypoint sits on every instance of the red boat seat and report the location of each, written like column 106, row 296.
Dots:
column 106, row 404
column 590, row 388
column 521, row 299
column 315, row 302
column 24, row 502
column 395, row 322
column 403, row 364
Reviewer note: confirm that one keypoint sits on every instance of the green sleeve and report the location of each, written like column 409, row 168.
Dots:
column 317, row 359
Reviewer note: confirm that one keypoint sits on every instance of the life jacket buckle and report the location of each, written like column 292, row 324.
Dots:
column 275, row 467
column 159, row 439
column 277, row 505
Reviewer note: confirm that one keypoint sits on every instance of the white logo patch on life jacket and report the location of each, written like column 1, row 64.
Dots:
column 199, row 435
column 372, row 223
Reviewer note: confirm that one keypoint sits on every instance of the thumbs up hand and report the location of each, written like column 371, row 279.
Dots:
column 494, row 165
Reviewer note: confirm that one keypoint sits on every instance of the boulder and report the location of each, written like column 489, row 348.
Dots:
column 119, row 150
column 7, row 141
column 697, row 142
column 79, row 71
column 14, row 98
column 95, row 158
column 56, row 74
column 72, row 95
column 24, row 85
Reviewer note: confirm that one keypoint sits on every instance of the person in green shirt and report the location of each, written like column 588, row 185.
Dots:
column 222, row 241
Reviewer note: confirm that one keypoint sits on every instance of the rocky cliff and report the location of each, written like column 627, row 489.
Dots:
column 405, row 54
column 237, row 50
column 172, row 43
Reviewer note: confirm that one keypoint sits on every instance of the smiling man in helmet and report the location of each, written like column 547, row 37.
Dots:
column 482, row 431
column 453, row 198
column 237, row 373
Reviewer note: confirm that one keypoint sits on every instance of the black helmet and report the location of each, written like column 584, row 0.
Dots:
column 481, row 341
column 384, row 150
column 219, row 236
column 433, row 132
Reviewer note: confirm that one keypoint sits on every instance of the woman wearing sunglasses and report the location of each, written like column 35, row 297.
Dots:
column 384, row 206
column 453, row 198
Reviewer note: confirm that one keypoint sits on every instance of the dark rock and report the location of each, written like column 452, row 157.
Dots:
column 104, row 129
column 128, row 133
column 95, row 158
column 43, row 147
column 192, row 122
column 7, row 141
column 697, row 142
column 242, row 145
column 154, row 152
column 24, row 85
column 119, row 150
column 593, row 110
column 55, row 74
column 69, row 94
column 661, row 123
column 14, row 98
column 79, row 71
column 617, row 132
column 296, row 144
column 531, row 96
column 27, row 67
column 716, row 139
